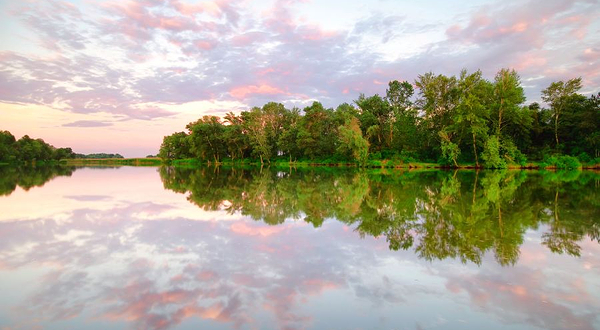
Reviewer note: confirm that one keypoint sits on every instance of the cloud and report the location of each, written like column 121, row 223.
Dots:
column 88, row 198
column 243, row 91
column 123, row 56
column 87, row 123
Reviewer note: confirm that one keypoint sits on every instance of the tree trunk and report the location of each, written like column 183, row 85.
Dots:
column 475, row 151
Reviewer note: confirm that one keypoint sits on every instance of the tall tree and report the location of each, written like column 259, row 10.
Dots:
column 352, row 141
column 508, row 96
column 404, row 115
column 376, row 120
column 287, row 141
column 472, row 112
column 317, row 133
column 557, row 95
column 256, row 126
column 437, row 102
column 236, row 136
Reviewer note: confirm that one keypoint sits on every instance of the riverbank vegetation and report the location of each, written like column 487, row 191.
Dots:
column 450, row 121
column 112, row 161
column 28, row 150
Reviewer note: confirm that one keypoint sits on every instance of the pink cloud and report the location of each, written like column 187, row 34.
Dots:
column 205, row 45
column 210, row 7
column 265, row 71
column 529, row 62
column 206, row 275
column 590, row 55
column 315, row 33
column 263, row 89
column 247, row 39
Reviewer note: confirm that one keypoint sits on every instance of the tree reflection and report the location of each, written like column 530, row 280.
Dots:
column 440, row 214
column 28, row 177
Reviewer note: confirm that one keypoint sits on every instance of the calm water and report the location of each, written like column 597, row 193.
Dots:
column 149, row 248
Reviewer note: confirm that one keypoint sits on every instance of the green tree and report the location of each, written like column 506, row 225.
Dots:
column 491, row 153
column 288, row 138
column 207, row 138
column 472, row 112
column 557, row 95
column 7, row 147
column 437, row 101
column 175, row 146
column 236, row 137
column 256, row 126
column 352, row 141
column 317, row 134
column 508, row 95
column 376, row 120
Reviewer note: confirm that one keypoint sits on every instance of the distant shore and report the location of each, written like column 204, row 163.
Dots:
column 112, row 161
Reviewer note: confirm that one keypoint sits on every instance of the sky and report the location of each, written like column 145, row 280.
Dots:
column 116, row 76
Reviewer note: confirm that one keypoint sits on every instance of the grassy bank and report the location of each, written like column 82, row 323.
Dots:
column 551, row 164
column 112, row 161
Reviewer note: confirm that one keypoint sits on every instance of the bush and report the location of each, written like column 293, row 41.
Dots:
column 512, row 154
column 570, row 163
column 561, row 162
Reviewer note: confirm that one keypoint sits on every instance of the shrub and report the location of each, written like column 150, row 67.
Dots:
column 491, row 153
column 561, row 162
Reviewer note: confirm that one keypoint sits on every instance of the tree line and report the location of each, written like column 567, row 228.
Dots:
column 27, row 149
column 449, row 120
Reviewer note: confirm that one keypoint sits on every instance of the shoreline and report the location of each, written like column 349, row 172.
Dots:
column 375, row 164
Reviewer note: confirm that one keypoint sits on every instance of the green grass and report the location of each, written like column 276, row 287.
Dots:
column 112, row 161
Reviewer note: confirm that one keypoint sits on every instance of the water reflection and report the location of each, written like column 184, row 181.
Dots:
column 28, row 177
column 113, row 249
column 439, row 214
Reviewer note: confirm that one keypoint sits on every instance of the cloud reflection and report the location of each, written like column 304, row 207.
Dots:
column 138, row 263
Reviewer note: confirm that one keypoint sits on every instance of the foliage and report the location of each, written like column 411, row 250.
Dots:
column 450, row 150
column 491, row 153
column 352, row 141
column 27, row 149
column 558, row 95
column 561, row 162
column 97, row 156
column 175, row 146
column 449, row 119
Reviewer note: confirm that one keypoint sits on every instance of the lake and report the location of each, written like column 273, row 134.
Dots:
column 316, row 248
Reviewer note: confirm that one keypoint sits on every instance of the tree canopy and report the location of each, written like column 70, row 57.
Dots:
column 464, row 119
